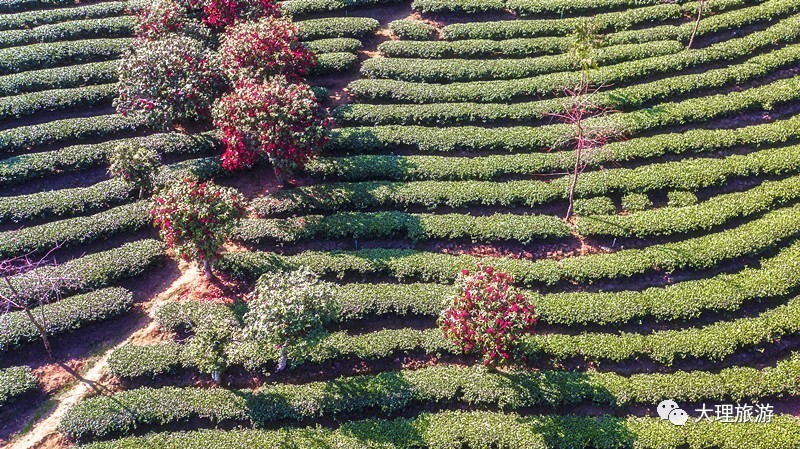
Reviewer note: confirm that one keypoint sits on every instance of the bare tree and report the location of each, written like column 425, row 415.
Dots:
column 28, row 283
column 700, row 6
column 587, row 137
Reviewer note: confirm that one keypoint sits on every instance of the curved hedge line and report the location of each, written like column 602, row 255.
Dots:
column 417, row 227
column 470, row 429
column 42, row 56
column 334, row 45
column 336, row 27
column 784, row 32
column 459, row 70
column 696, row 253
column 99, row 269
column 66, row 315
column 31, row 19
column 53, row 100
column 687, row 175
column 296, row 8
column 629, row 97
column 59, row 78
column 106, row 27
column 395, row 391
column 76, row 231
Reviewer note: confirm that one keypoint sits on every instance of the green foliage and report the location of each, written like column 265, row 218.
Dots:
column 288, row 309
column 599, row 205
column 66, row 315
column 14, row 382
column 72, row 30
column 136, row 164
column 206, row 349
column 415, row 30
column 297, row 8
column 636, row 202
column 54, row 100
column 59, row 77
column 32, row 19
column 336, row 27
column 42, row 56
column 679, row 198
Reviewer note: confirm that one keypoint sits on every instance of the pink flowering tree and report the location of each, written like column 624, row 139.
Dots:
column 167, row 80
column 263, row 49
column 275, row 119
column 487, row 316
column 223, row 13
column 158, row 18
column 195, row 218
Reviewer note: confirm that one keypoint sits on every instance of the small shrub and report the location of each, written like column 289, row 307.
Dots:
column 136, row 164
column 636, row 202
column 195, row 218
column 288, row 309
column 412, row 30
column 680, row 198
column 167, row 80
column 263, row 49
column 281, row 121
column 206, row 349
column 487, row 316
column 600, row 205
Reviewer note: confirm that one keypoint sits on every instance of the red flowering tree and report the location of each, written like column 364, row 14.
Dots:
column 195, row 218
column 167, row 80
column 157, row 18
column 275, row 119
column 488, row 316
column 263, row 49
column 223, row 13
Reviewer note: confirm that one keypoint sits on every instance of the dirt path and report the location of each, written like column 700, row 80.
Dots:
column 44, row 433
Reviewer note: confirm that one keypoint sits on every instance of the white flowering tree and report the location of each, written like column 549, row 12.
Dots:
column 289, row 308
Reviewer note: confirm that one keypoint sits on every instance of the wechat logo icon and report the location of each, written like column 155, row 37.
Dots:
column 669, row 410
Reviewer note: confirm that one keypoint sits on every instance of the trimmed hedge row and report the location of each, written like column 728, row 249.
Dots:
column 184, row 315
column 57, row 131
column 71, row 202
column 64, row 202
column 29, row 166
column 619, row 21
column 621, row 98
column 24, row 5
column 417, row 227
column 687, row 174
column 459, row 70
column 458, row 6
column 697, row 253
column 76, row 231
column 106, row 27
column 66, row 315
column 713, row 342
column 297, row 8
column 775, row 277
column 377, row 139
column 401, row 168
column 488, row 429
column 334, row 45
column 99, row 269
column 31, row 19
column 336, row 27
column 54, row 100
column 415, row 30
column 705, row 216
column 328, row 63
column 59, row 78
column 14, row 382
column 395, row 391
column 473, row 48
column 786, row 31
column 42, row 56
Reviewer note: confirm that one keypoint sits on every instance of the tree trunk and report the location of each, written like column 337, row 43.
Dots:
column 207, row 270
column 42, row 332
column 216, row 376
column 696, row 23
column 283, row 359
column 573, row 184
